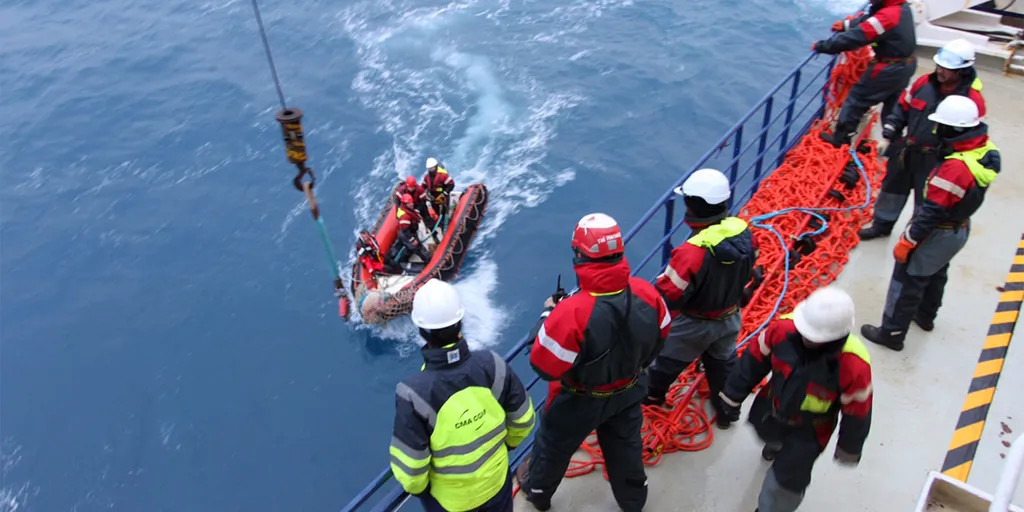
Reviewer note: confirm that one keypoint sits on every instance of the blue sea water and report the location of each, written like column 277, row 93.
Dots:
column 168, row 338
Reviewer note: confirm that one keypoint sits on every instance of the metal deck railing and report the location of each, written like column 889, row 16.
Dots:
column 772, row 126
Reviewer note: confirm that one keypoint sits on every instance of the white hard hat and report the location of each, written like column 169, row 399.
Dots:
column 827, row 315
column 431, row 162
column 708, row 184
column 436, row 305
column 956, row 110
column 956, row 54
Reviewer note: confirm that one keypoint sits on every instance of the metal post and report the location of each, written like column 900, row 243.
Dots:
column 734, row 170
column 666, row 250
column 789, row 118
column 1008, row 480
column 764, row 138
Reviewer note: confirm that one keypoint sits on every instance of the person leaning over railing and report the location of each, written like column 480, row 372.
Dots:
column 457, row 418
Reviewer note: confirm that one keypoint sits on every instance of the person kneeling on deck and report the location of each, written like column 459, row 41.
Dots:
column 912, row 158
column 819, row 370
column 439, row 185
column 419, row 198
column 593, row 347
column 941, row 225
column 705, row 285
column 888, row 27
column 407, row 240
column 457, row 418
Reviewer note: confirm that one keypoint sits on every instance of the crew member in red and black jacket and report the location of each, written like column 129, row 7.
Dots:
column 419, row 198
column 369, row 255
column 706, row 282
column 912, row 158
column 439, row 185
column 593, row 347
column 407, row 241
column 819, row 371
column 888, row 27
column 940, row 227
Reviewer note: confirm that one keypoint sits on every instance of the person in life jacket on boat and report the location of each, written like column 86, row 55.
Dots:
column 439, row 185
column 457, row 418
column 941, row 224
column 593, row 347
column 370, row 257
column 820, row 371
column 407, row 241
column 419, row 197
column 707, row 281
column 913, row 157
column 888, row 27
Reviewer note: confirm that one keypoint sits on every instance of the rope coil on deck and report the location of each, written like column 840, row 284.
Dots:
column 801, row 249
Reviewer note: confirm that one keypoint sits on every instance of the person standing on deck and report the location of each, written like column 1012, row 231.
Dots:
column 705, row 284
column 593, row 347
column 888, row 27
column 439, row 185
column 819, row 372
column 941, row 225
column 456, row 420
column 912, row 158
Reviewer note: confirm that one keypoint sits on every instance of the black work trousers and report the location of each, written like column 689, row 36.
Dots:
column 880, row 83
column 907, row 170
column 797, row 449
column 501, row 502
column 917, row 286
column 566, row 424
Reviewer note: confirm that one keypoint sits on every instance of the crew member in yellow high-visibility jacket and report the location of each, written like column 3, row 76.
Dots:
column 457, row 418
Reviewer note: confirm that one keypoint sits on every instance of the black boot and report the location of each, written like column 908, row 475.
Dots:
column 660, row 381
column 538, row 501
column 878, row 229
column 717, row 371
column 880, row 337
column 924, row 323
column 842, row 134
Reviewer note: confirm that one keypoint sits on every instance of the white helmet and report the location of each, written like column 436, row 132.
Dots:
column 436, row 305
column 708, row 184
column 956, row 54
column 956, row 110
column 827, row 315
column 431, row 162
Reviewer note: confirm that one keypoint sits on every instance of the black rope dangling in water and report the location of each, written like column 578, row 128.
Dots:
column 290, row 120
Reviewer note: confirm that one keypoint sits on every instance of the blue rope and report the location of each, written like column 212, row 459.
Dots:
column 759, row 222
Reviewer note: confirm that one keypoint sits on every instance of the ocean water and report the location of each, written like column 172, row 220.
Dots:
column 168, row 338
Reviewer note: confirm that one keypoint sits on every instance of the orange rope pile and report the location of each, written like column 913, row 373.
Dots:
column 809, row 177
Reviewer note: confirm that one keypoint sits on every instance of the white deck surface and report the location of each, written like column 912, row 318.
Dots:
column 918, row 392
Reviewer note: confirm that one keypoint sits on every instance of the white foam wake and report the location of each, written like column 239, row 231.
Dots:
column 486, row 121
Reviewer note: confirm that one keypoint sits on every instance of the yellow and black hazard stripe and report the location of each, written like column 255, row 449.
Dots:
column 969, row 427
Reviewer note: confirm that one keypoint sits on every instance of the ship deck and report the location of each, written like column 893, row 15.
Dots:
column 920, row 393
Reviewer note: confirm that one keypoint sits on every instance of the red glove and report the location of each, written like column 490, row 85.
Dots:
column 839, row 26
column 814, row 47
column 902, row 250
column 433, row 214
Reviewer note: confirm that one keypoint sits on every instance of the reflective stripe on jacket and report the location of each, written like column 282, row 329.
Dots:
column 454, row 423
column 921, row 100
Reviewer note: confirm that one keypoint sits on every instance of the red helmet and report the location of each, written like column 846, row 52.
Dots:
column 597, row 236
column 406, row 199
column 410, row 181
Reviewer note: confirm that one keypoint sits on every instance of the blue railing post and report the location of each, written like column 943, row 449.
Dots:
column 666, row 249
column 764, row 137
column 737, row 145
column 789, row 118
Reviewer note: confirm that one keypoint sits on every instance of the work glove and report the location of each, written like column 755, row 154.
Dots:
column 889, row 132
column 433, row 214
column 730, row 408
column 903, row 248
column 846, row 459
column 839, row 26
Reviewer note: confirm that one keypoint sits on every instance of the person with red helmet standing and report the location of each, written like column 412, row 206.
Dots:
column 593, row 347
column 407, row 242
column 707, row 281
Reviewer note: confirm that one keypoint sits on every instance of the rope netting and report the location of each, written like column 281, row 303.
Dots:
column 807, row 212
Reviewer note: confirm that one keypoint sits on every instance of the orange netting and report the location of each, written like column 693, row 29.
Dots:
column 815, row 175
